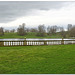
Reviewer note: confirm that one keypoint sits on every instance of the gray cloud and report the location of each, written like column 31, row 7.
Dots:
column 11, row 10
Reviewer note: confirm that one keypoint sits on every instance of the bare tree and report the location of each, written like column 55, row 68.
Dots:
column 33, row 30
column 41, row 30
column 52, row 29
column 62, row 32
column 21, row 30
column 69, row 27
column 6, row 31
column 27, row 30
column 13, row 30
column 1, row 31
column 48, row 30
column 72, row 32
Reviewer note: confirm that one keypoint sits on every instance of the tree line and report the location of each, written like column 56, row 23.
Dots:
column 42, row 30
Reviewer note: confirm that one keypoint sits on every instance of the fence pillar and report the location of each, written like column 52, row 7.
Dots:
column 25, row 42
column 1, row 43
column 45, row 42
column 62, row 41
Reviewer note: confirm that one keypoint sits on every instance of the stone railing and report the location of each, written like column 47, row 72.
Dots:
column 36, row 42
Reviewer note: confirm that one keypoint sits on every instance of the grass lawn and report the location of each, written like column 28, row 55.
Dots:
column 29, row 35
column 55, row 59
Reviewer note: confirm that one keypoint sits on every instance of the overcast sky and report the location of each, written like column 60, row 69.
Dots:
column 34, row 13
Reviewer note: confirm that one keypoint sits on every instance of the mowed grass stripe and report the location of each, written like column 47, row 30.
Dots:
column 56, row 59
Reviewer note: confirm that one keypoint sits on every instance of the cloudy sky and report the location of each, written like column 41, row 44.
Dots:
column 34, row 13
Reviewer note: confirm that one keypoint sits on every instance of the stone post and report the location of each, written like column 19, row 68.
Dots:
column 62, row 41
column 25, row 42
column 45, row 42
column 1, row 43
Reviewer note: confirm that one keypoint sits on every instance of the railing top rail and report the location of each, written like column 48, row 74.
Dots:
column 32, row 40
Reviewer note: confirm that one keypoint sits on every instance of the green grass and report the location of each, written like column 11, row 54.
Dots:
column 55, row 59
column 29, row 35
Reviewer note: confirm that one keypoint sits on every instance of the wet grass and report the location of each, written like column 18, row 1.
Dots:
column 56, row 59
